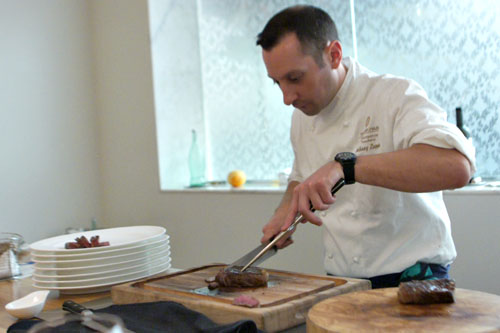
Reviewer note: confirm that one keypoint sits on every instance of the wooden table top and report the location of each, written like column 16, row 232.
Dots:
column 13, row 289
column 378, row 310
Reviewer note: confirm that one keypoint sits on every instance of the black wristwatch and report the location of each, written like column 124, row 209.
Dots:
column 347, row 160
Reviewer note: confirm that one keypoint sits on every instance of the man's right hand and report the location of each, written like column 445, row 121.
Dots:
column 273, row 227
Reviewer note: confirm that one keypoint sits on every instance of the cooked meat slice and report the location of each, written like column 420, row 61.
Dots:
column 83, row 242
column 232, row 276
column 427, row 291
column 245, row 300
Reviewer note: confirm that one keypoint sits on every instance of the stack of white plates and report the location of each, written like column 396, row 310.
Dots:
column 133, row 253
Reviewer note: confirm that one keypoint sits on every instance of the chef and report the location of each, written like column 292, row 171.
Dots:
column 383, row 135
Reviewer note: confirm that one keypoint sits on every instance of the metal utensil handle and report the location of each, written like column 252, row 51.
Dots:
column 298, row 219
column 74, row 307
column 335, row 188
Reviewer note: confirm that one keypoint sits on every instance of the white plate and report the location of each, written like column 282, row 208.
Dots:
column 102, row 279
column 103, row 286
column 106, row 251
column 96, row 268
column 100, row 259
column 117, row 237
column 90, row 290
column 100, row 273
column 82, row 263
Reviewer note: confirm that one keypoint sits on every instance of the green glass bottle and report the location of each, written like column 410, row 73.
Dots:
column 196, row 163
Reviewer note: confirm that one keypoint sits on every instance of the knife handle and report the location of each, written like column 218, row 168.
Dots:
column 74, row 307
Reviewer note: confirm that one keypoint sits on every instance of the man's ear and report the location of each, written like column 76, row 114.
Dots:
column 334, row 54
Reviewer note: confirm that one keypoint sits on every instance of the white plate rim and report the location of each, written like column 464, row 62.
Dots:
column 97, row 266
column 35, row 253
column 105, row 284
column 77, row 261
column 151, row 263
column 167, row 262
column 62, row 239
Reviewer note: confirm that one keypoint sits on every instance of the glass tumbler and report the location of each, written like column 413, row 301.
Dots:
column 10, row 246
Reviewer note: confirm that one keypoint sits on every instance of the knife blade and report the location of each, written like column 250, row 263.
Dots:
column 87, row 319
column 271, row 245
column 250, row 255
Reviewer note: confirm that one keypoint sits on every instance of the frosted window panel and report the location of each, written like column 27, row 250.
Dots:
column 177, row 86
column 452, row 48
column 209, row 75
column 247, row 123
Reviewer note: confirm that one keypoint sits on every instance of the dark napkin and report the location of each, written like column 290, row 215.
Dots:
column 154, row 317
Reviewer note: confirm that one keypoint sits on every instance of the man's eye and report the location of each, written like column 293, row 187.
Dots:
column 294, row 78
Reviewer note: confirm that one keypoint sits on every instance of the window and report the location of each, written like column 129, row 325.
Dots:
column 209, row 76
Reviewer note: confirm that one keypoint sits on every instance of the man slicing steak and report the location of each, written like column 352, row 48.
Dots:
column 382, row 134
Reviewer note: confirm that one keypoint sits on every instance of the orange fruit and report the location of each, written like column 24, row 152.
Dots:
column 236, row 178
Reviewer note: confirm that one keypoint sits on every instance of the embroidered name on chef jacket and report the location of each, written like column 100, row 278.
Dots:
column 369, row 137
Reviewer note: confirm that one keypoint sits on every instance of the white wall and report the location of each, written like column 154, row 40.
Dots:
column 48, row 131
column 50, row 159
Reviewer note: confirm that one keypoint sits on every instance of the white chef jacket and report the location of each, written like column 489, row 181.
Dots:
column 370, row 230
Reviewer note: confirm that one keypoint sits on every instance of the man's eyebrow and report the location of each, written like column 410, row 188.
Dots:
column 292, row 72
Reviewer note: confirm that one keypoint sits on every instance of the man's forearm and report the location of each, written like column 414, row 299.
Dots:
column 420, row 168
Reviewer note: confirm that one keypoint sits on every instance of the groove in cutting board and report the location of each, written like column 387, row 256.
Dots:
column 283, row 286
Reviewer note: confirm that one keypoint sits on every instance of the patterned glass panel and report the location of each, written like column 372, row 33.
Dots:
column 452, row 48
column 248, row 124
column 209, row 75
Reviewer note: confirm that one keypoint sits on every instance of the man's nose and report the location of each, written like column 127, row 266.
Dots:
column 289, row 95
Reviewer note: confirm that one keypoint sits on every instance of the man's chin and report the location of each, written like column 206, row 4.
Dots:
column 309, row 111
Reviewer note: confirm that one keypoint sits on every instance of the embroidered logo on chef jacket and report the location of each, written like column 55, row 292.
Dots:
column 369, row 137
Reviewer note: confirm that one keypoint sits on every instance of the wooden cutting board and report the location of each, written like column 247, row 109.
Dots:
column 378, row 310
column 283, row 303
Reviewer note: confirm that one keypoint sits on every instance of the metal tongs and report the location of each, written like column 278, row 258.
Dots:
column 299, row 218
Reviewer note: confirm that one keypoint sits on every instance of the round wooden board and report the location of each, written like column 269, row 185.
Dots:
column 378, row 310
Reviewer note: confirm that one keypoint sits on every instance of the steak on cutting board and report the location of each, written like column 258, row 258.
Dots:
column 233, row 277
column 427, row 291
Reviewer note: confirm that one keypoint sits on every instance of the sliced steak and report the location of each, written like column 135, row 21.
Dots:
column 427, row 291
column 233, row 277
column 247, row 301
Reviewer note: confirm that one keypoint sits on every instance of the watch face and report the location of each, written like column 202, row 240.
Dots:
column 345, row 156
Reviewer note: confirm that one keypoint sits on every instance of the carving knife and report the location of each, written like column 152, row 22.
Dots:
column 265, row 251
column 87, row 320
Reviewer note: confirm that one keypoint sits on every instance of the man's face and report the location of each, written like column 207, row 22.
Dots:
column 304, row 84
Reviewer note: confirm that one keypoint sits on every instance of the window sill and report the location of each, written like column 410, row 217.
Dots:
column 488, row 188
column 249, row 188
column 275, row 188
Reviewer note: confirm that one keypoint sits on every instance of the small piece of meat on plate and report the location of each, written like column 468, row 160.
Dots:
column 427, row 291
column 247, row 301
column 83, row 241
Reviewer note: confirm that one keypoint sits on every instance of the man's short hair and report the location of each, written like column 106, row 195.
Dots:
column 313, row 27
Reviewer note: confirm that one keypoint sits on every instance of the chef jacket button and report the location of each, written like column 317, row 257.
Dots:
column 346, row 123
column 323, row 213
column 355, row 260
column 354, row 213
column 330, row 256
